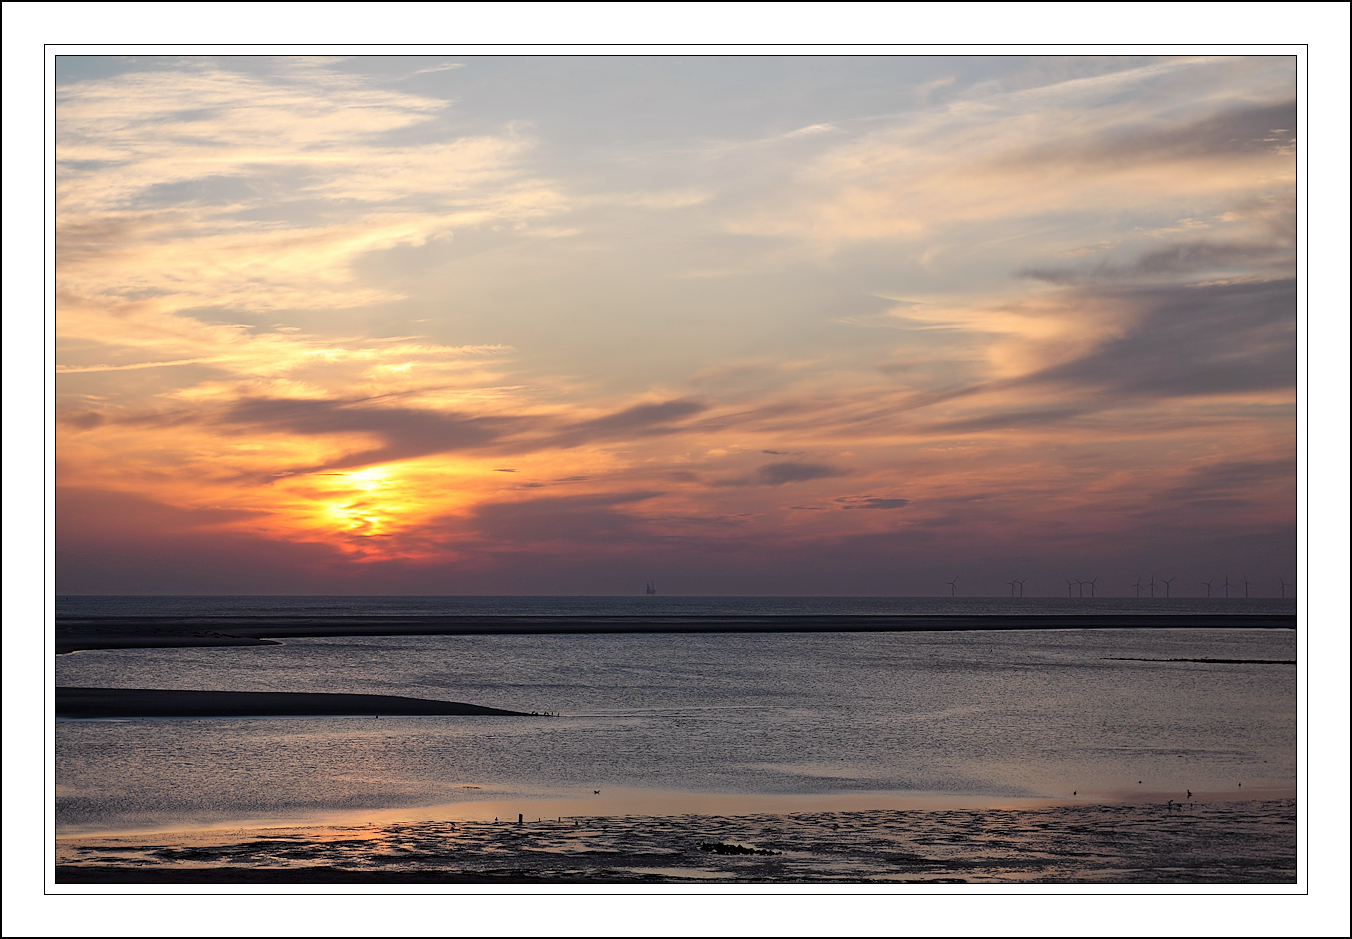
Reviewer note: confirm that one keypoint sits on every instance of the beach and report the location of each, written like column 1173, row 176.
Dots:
column 1234, row 842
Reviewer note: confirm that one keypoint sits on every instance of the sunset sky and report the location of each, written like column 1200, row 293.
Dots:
column 773, row 325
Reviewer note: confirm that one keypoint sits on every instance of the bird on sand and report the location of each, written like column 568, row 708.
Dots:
column 596, row 792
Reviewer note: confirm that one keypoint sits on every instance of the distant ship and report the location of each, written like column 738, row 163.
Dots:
column 651, row 589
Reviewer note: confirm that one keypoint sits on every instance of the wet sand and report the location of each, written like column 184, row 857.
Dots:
column 74, row 634
column 1223, row 842
column 112, row 703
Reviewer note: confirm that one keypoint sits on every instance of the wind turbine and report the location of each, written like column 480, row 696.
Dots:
column 1152, row 586
column 1246, row 585
column 1092, row 585
column 1284, row 586
column 1137, row 585
column 1166, row 585
column 1070, row 587
column 1011, row 584
column 1207, row 585
column 1021, row 583
column 1226, row 585
column 954, row 584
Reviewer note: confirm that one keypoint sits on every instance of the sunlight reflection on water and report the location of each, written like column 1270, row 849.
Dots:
column 997, row 716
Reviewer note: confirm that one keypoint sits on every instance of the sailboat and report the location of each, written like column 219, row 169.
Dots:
column 651, row 589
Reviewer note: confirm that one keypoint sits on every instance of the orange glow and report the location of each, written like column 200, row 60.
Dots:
column 301, row 307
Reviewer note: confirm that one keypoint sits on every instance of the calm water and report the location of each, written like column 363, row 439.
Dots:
column 341, row 608
column 675, row 723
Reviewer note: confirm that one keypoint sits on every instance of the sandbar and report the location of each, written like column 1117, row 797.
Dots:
column 113, row 703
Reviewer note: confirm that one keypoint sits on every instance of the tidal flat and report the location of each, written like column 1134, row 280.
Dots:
column 1248, row 842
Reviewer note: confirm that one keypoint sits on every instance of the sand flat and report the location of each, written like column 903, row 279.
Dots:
column 1241, row 842
column 108, row 703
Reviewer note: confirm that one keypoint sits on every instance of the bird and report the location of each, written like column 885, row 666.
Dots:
column 1189, row 793
column 596, row 792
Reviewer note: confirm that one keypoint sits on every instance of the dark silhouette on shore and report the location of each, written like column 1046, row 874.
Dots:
column 105, row 703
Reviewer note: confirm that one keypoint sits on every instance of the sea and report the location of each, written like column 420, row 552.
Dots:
column 1131, row 755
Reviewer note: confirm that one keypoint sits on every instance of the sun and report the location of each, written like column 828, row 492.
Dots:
column 364, row 505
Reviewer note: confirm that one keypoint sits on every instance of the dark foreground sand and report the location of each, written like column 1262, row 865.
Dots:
column 141, row 632
column 1251, row 842
column 107, row 703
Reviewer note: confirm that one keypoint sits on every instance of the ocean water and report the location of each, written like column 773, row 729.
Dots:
column 339, row 609
column 704, row 724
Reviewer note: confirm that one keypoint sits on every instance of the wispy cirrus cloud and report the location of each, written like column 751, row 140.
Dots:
column 444, row 314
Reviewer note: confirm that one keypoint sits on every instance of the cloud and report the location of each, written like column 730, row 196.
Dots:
column 777, row 474
column 1181, row 258
column 233, row 236
column 590, row 519
column 994, row 164
column 810, row 130
column 406, row 432
column 444, row 67
column 874, row 502
column 105, row 514
column 641, row 420
column 260, row 187
column 1192, row 256
column 1004, row 419
column 84, row 420
column 1254, row 129
column 1232, row 484
column 1206, row 340
column 411, row 432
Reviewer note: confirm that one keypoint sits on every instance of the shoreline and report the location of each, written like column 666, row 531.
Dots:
column 628, row 804
column 1250, row 841
column 75, row 635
